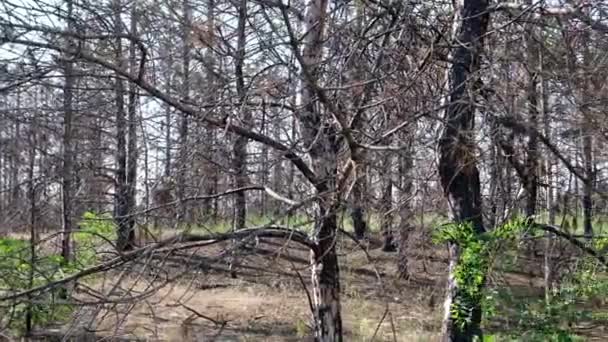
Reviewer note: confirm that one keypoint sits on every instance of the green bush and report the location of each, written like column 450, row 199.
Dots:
column 17, row 271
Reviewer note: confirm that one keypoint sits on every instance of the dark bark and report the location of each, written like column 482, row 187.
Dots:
column 68, row 155
column 386, row 208
column 588, row 185
column 405, row 212
column 320, row 137
column 126, row 236
column 358, row 210
column 326, row 282
column 132, row 152
column 240, row 144
column 184, row 125
column 457, row 161
column 531, row 174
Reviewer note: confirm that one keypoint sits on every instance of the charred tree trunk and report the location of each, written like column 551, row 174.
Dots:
column 184, row 125
column 132, row 153
column 405, row 211
column 357, row 210
column 320, row 136
column 125, row 237
column 240, row 144
column 531, row 174
column 386, row 206
column 68, row 155
column 210, row 187
column 457, row 161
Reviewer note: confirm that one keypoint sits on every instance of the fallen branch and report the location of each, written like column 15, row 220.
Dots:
column 581, row 245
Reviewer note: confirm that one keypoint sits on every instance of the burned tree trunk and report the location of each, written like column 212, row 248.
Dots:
column 240, row 144
column 531, row 174
column 132, row 153
column 457, row 165
column 405, row 210
column 386, row 206
column 319, row 135
column 68, row 155
column 125, row 236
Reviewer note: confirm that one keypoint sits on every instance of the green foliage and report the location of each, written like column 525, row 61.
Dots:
column 17, row 272
column 95, row 231
column 552, row 318
column 476, row 254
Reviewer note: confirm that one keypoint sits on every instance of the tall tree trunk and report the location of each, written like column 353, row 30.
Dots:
column 358, row 198
column 240, row 143
column 68, row 155
column 321, row 139
column 531, row 181
column 132, row 152
column 15, row 160
column 386, row 205
column 588, row 184
column 359, row 156
column 33, row 222
column 587, row 131
column 167, row 122
column 185, row 120
column 457, row 165
column 211, row 179
column 405, row 209
column 126, row 237
column 278, row 170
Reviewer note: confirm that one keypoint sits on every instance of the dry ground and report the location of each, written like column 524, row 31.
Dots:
column 266, row 301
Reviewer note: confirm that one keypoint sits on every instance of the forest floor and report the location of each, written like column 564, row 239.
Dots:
column 266, row 300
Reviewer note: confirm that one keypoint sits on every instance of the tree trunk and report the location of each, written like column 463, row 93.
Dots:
column 326, row 282
column 240, row 144
column 357, row 210
column 185, row 120
column 531, row 181
column 68, row 155
column 457, row 164
column 321, row 139
column 386, row 205
column 405, row 211
column 132, row 152
column 126, row 237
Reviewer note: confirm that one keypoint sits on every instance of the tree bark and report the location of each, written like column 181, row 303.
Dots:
column 240, row 144
column 132, row 152
column 386, row 205
column 185, row 120
column 457, row 161
column 68, row 155
column 531, row 174
column 405, row 210
column 321, row 139
column 125, row 237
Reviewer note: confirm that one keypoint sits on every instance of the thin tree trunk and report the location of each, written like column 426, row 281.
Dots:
column 29, row 314
column 531, row 181
column 386, row 205
column 126, row 237
column 587, row 127
column 185, row 121
column 278, row 171
column 457, row 165
column 240, row 143
column 167, row 122
column 550, row 207
column 132, row 152
column 68, row 155
column 405, row 210
column 211, row 181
